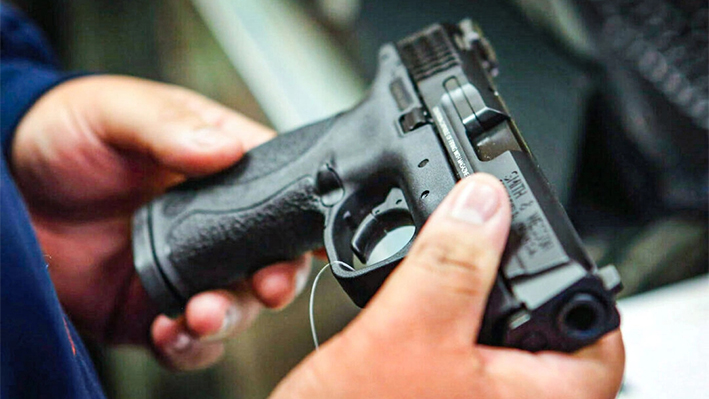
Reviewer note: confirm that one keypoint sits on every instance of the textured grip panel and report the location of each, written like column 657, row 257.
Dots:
column 208, row 247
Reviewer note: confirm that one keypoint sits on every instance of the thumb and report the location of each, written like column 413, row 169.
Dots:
column 443, row 284
column 178, row 129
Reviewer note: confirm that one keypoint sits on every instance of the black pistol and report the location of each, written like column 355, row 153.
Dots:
column 432, row 117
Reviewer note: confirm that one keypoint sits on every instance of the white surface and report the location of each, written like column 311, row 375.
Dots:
column 666, row 334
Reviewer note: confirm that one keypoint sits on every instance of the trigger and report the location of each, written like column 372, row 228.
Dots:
column 387, row 216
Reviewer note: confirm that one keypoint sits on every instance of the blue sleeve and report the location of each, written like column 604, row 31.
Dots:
column 41, row 354
column 28, row 68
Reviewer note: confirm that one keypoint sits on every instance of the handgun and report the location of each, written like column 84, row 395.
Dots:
column 432, row 117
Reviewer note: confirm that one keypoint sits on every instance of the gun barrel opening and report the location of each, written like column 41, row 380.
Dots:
column 582, row 317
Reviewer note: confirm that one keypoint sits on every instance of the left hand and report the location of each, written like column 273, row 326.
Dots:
column 86, row 156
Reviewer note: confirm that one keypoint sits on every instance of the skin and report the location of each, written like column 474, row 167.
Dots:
column 94, row 149
column 85, row 157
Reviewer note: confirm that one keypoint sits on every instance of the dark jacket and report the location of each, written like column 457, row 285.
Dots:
column 41, row 355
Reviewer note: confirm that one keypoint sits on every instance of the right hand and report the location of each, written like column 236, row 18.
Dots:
column 417, row 337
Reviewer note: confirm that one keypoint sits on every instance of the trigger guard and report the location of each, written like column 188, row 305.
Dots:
column 361, row 284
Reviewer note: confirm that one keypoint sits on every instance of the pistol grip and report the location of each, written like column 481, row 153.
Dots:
column 210, row 232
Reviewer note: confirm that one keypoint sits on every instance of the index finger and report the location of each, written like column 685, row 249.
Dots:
column 251, row 132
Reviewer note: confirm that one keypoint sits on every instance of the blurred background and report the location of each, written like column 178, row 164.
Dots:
column 611, row 96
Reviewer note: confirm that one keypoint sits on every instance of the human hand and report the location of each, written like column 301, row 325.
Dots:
column 85, row 157
column 417, row 336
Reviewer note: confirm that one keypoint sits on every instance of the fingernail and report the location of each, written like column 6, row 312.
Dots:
column 477, row 203
column 207, row 136
column 181, row 343
column 232, row 317
column 301, row 279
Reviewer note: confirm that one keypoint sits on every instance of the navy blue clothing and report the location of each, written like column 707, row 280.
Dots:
column 41, row 354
